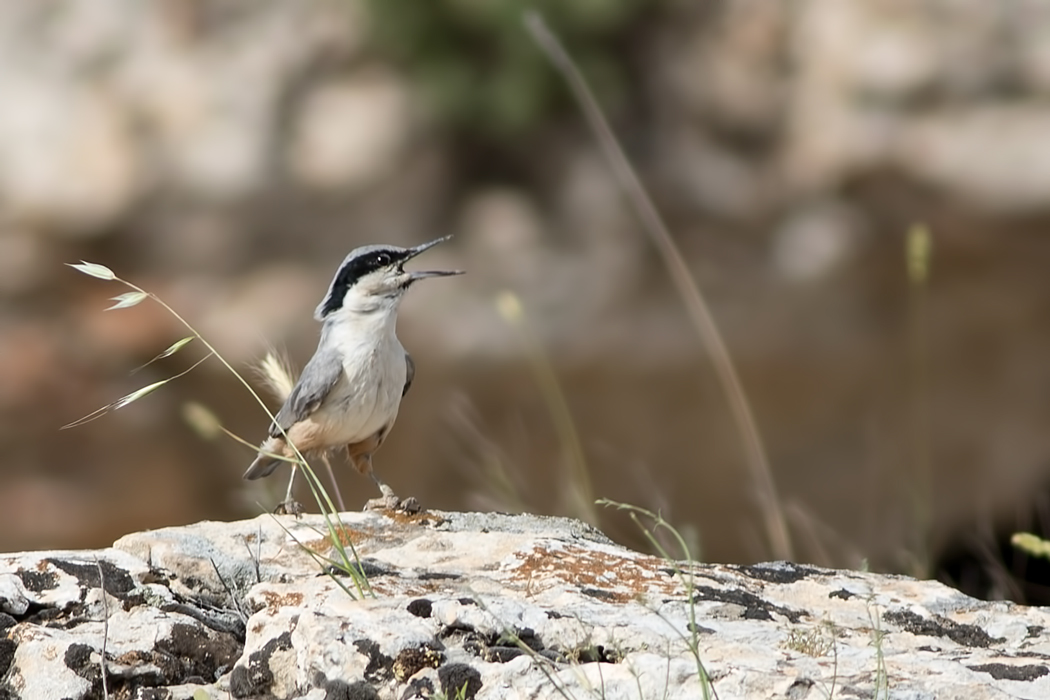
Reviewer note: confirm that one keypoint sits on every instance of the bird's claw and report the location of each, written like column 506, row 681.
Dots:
column 391, row 502
column 289, row 507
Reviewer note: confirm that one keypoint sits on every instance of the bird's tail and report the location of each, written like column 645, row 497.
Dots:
column 265, row 462
column 264, row 465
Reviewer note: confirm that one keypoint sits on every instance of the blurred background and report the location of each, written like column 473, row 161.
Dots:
column 226, row 155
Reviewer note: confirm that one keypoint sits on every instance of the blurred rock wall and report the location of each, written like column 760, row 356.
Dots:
column 225, row 154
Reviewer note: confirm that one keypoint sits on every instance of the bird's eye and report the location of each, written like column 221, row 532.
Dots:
column 383, row 259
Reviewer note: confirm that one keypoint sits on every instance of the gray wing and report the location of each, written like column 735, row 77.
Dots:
column 319, row 376
column 410, row 374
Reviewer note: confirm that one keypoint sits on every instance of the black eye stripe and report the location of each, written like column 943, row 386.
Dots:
column 352, row 271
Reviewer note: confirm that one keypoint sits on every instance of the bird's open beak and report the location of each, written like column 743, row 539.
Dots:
column 413, row 252
column 413, row 276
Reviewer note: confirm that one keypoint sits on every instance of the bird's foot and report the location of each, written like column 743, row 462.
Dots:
column 389, row 501
column 289, row 507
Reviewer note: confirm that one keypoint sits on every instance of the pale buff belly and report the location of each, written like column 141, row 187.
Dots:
column 357, row 410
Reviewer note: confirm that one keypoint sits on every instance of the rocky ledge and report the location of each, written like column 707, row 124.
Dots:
column 486, row 606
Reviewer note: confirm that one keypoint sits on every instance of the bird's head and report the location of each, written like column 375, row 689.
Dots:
column 373, row 277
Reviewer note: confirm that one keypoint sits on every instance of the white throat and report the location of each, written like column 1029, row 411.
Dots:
column 373, row 320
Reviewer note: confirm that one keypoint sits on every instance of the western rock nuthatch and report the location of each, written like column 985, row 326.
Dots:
column 350, row 390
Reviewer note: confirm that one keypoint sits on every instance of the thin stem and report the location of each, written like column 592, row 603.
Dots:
column 208, row 345
column 324, row 502
column 561, row 416
column 105, row 628
column 758, row 462
column 919, row 252
column 228, row 366
column 319, row 493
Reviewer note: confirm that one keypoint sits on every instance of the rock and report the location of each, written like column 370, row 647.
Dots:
column 78, row 599
column 490, row 606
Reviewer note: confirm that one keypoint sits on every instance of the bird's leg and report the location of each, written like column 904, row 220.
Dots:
column 335, row 484
column 289, row 506
column 389, row 500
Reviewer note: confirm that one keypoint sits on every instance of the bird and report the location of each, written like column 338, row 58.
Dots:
column 349, row 393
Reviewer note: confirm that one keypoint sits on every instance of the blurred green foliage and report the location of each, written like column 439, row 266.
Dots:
column 477, row 67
